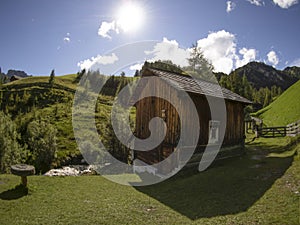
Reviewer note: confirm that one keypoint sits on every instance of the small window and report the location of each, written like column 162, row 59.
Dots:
column 214, row 126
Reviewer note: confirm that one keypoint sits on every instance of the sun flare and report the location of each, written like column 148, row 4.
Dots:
column 130, row 17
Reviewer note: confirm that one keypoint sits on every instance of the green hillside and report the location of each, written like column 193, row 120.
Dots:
column 284, row 110
column 66, row 80
column 35, row 99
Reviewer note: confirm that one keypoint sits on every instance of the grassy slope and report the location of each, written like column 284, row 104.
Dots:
column 284, row 110
column 58, row 113
column 246, row 190
column 66, row 80
column 56, row 108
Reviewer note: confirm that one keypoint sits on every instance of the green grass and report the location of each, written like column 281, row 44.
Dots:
column 258, row 188
column 284, row 110
column 66, row 80
column 252, row 189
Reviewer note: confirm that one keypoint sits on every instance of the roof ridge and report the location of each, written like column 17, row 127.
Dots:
column 199, row 86
column 185, row 75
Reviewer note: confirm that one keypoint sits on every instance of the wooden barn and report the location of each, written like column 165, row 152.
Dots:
column 208, row 129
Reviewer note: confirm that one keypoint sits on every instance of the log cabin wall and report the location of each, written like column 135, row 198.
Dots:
column 234, row 133
column 150, row 107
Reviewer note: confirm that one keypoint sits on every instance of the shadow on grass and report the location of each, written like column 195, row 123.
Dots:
column 229, row 186
column 18, row 192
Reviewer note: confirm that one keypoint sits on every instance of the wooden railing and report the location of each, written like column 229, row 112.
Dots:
column 256, row 125
column 272, row 132
column 293, row 129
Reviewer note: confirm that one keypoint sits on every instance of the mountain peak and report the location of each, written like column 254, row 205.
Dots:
column 263, row 75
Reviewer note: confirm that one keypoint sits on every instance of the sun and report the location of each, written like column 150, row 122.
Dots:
column 130, row 17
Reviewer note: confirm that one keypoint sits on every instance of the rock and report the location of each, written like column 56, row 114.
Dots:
column 65, row 171
column 18, row 73
column 74, row 170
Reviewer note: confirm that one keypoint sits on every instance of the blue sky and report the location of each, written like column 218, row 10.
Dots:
column 67, row 35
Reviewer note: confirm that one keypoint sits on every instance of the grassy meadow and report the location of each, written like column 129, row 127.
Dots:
column 284, row 110
column 260, row 187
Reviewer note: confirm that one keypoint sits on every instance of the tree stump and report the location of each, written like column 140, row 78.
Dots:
column 23, row 171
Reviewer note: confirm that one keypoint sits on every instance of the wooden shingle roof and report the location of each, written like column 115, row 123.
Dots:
column 197, row 86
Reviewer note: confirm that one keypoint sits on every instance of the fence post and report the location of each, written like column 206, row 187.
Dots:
column 256, row 131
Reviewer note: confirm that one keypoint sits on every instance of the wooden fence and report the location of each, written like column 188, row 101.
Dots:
column 252, row 124
column 293, row 129
column 272, row 132
column 255, row 124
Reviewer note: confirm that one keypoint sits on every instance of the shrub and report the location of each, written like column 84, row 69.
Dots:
column 10, row 149
column 41, row 140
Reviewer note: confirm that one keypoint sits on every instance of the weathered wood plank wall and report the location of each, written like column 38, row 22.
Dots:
column 151, row 107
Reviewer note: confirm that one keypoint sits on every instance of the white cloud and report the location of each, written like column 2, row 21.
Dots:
column 248, row 56
column 285, row 3
column 107, row 27
column 273, row 58
column 219, row 48
column 170, row 50
column 164, row 50
column 95, row 61
column 136, row 66
column 256, row 2
column 67, row 39
column 296, row 62
column 230, row 6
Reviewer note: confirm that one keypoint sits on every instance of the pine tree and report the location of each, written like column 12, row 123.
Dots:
column 199, row 66
column 80, row 75
column 137, row 73
column 223, row 82
column 246, row 87
column 273, row 91
column 1, row 96
column 11, row 100
column 18, row 99
column 51, row 79
column 279, row 91
column 267, row 99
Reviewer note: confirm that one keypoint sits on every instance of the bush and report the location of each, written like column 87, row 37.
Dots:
column 10, row 149
column 41, row 140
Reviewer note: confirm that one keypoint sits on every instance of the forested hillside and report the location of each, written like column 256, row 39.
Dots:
column 259, row 82
column 262, row 75
column 40, row 119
